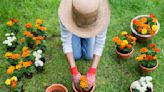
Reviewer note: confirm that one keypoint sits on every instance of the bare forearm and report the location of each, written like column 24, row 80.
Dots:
column 70, row 59
column 95, row 61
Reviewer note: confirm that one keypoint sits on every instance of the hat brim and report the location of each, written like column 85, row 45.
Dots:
column 65, row 14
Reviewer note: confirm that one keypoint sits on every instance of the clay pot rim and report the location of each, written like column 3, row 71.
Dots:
column 56, row 85
column 125, row 54
column 134, row 31
column 149, row 68
column 73, row 86
column 131, row 88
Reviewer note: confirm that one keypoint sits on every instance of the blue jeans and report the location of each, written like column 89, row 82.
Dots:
column 82, row 47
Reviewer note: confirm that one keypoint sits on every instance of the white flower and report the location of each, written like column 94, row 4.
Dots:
column 142, row 89
column 7, row 34
column 135, row 85
column 9, row 44
column 34, row 53
column 39, row 51
column 39, row 63
column 12, row 34
column 148, row 78
column 142, row 79
column 150, row 85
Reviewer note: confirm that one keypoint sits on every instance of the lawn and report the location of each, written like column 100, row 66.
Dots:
column 113, row 75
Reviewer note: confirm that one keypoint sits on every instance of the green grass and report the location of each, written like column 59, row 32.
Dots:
column 113, row 75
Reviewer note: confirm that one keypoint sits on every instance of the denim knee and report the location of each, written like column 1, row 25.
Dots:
column 88, row 57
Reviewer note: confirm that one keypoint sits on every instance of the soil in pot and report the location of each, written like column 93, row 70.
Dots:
column 56, row 91
column 124, row 55
column 28, row 75
column 31, row 45
column 40, row 69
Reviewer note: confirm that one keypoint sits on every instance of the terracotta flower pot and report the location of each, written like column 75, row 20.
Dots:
column 124, row 56
column 56, row 88
column 76, row 90
column 132, row 90
column 141, row 37
column 148, row 70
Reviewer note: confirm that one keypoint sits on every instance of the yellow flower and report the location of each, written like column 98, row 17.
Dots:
column 37, row 25
column 18, row 67
column 144, row 31
column 154, row 27
column 125, row 42
column 124, row 33
column 14, row 78
column 8, row 82
column 10, row 23
column 155, row 58
column 140, row 58
column 39, row 21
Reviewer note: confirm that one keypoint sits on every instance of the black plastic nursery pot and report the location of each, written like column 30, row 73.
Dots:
column 28, row 75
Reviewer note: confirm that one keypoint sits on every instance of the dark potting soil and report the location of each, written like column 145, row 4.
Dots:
column 28, row 76
column 43, row 59
column 56, row 91
column 124, row 52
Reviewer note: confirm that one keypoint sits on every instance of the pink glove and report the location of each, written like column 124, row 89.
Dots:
column 91, row 76
column 75, row 76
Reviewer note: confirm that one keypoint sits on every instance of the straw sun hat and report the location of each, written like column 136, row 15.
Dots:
column 84, row 18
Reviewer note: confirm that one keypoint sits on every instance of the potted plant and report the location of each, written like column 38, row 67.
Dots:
column 10, row 42
column 142, row 85
column 144, row 27
column 13, row 59
column 39, row 64
column 14, row 85
column 124, row 45
column 148, row 58
column 56, row 88
column 27, row 69
column 41, row 30
column 29, row 39
column 83, row 84
column 13, row 26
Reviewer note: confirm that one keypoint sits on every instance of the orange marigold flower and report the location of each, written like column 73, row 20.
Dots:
column 38, row 42
column 147, row 27
column 139, row 29
column 24, row 49
column 18, row 67
column 10, row 70
column 152, row 15
column 22, row 40
column 154, row 20
column 152, row 32
column 27, row 64
column 42, row 28
column 15, row 56
column 26, row 54
column 83, row 82
column 156, row 49
column 144, row 50
column 144, row 19
column 28, row 34
column 14, row 20
column 152, row 45
column 129, row 46
column 29, row 25
column 13, row 84
column 8, row 55
column 149, row 57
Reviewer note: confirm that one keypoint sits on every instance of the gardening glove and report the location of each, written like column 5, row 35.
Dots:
column 91, row 77
column 75, row 76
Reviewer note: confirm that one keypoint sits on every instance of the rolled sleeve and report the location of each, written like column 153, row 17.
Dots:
column 100, row 42
column 66, row 38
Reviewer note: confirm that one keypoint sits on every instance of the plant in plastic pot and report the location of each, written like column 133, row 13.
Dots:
column 124, row 45
column 10, row 42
